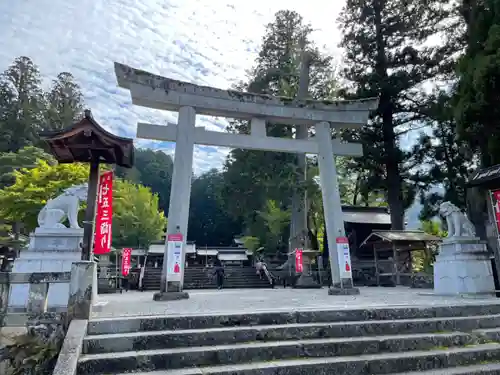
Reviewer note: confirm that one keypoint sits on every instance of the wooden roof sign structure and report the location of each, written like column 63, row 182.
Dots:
column 86, row 141
column 395, row 247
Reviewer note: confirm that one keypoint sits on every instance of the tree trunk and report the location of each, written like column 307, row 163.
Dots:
column 394, row 193
column 385, row 110
column 298, row 221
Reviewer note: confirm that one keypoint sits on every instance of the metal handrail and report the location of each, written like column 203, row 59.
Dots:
column 268, row 274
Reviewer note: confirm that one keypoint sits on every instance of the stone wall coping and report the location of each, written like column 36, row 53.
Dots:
column 34, row 277
column 71, row 348
column 462, row 240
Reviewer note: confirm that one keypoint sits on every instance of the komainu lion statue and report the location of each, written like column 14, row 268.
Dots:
column 64, row 205
column 457, row 222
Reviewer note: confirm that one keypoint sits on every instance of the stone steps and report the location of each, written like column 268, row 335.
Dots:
column 204, row 356
column 155, row 323
column 221, row 336
column 485, row 369
column 355, row 342
column 200, row 278
column 380, row 363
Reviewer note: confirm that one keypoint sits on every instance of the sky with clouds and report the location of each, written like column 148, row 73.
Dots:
column 199, row 41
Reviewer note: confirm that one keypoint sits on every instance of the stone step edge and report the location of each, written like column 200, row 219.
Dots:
column 299, row 311
column 481, row 369
column 273, row 344
column 177, row 332
column 283, row 364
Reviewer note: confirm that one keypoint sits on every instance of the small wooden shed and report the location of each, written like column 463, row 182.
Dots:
column 392, row 251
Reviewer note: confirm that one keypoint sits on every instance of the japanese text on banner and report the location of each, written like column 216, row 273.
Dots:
column 126, row 261
column 104, row 214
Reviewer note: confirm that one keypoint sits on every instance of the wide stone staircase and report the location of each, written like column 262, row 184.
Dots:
column 202, row 278
column 432, row 340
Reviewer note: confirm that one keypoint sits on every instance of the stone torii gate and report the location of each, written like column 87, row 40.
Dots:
column 153, row 91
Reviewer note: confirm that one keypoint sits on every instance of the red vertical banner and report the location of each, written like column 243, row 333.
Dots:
column 104, row 214
column 299, row 261
column 495, row 203
column 126, row 261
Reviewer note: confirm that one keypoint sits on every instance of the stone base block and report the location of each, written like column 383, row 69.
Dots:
column 307, row 286
column 463, row 267
column 333, row 291
column 170, row 296
column 50, row 250
column 306, row 282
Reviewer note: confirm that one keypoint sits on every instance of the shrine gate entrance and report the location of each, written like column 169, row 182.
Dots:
column 153, row 91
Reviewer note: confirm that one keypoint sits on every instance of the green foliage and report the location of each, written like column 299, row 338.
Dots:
column 152, row 169
column 443, row 159
column 387, row 55
column 432, row 227
column 251, row 243
column 209, row 223
column 21, row 105
column 477, row 104
column 254, row 177
column 276, row 218
column 25, row 109
column 64, row 102
column 27, row 157
column 33, row 187
column 136, row 219
column 29, row 355
column 423, row 261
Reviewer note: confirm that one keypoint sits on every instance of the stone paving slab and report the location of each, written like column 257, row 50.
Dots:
column 231, row 301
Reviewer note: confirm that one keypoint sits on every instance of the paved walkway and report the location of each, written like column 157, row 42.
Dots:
column 260, row 300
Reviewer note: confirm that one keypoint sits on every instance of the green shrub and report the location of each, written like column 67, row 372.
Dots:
column 29, row 355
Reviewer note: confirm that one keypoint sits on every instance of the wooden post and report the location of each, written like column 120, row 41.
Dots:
column 395, row 259
column 88, row 225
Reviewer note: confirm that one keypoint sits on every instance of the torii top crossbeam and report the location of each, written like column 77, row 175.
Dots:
column 153, row 91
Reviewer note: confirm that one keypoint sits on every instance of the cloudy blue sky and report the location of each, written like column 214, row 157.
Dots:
column 200, row 41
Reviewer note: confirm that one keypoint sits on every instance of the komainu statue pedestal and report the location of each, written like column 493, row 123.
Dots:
column 463, row 266
column 50, row 250
column 53, row 247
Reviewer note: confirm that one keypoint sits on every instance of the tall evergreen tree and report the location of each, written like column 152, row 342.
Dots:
column 21, row 105
column 386, row 56
column 477, row 104
column 444, row 161
column 64, row 102
column 254, row 177
column 209, row 223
